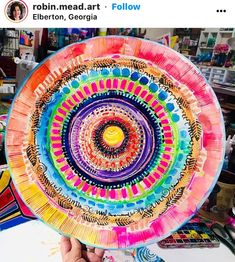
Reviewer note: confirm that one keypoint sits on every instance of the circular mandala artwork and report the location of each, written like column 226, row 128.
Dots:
column 115, row 141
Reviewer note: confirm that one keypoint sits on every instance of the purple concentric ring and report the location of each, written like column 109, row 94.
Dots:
column 139, row 162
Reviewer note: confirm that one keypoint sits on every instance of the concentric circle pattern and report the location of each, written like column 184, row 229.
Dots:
column 116, row 141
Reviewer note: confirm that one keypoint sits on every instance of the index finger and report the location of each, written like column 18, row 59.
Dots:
column 65, row 245
column 76, row 247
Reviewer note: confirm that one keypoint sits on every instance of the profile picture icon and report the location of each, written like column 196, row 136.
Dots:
column 16, row 11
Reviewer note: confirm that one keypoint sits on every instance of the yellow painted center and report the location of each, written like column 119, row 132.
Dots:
column 113, row 136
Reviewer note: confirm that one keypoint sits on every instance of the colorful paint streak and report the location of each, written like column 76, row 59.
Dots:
column 144, row 254
column 12, row 209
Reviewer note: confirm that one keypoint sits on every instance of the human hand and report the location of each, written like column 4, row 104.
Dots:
column 72, row 251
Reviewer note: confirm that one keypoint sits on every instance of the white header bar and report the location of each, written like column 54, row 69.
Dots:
column 118, row 13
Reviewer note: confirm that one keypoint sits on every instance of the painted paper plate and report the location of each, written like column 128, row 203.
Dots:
column 115, row 141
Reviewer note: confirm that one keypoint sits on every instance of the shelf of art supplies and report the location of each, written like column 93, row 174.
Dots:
column 219, row 75
column 7, row 89
column 207, row 48
column 26, row 47
column 221, row 89
column 228, row 106
column 7, row 86
column 210, row 37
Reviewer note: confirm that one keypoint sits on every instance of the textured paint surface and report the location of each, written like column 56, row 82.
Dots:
column 133, row 188
column 12, row 209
